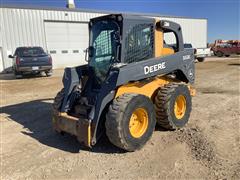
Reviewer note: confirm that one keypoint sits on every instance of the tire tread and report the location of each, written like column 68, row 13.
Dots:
column 162, row 105
column 118, row 105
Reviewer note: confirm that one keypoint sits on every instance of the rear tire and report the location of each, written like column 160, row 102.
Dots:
column 125, row 127
column 219, row 54
column 173, row 106
column 200, row 59
column 18, row 75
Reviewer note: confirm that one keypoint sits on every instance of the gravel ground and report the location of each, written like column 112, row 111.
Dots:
column 207, row 148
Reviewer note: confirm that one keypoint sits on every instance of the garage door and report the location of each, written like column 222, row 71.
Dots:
column 66, row 43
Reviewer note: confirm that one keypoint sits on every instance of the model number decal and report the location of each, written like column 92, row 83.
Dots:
column 154, row 68
column 186, row 57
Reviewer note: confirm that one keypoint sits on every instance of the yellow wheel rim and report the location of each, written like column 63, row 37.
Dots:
column 138, row 122
column 180, row 107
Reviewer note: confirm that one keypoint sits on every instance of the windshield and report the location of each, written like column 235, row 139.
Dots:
column 104, row 39
column 30, row 51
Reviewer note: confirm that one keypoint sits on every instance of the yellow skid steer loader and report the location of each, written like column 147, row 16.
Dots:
column 132, row 81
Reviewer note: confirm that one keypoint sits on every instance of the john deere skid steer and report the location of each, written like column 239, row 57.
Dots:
column 132, row 81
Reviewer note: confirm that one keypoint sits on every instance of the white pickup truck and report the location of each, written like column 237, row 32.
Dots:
column 200, row 53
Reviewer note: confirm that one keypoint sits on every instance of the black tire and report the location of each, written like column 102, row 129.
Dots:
column 200, row 59
column 219, row 54
column 118, row 118
column 227, row 55
column 56, row 106
column 164, row 106
column 57, row 103
column 48, row 73
column 18, row 75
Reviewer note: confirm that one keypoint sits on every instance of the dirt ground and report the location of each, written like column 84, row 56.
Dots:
column 207, row 148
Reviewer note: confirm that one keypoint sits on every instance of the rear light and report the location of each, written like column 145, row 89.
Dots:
column 50, row 59
column 17, row 60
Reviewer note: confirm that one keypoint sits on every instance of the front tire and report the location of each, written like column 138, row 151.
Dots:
column 56, row 107
column 57, row 103
column 219, row 54
column 130, row 121
column 173, row 106
column 200, row 59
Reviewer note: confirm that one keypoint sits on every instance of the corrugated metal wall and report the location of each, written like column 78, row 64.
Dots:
column 25, row 27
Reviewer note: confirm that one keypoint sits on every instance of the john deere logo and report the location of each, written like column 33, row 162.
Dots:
column 154, row 68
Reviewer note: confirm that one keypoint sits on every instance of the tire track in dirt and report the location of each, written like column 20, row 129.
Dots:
column 204, row 151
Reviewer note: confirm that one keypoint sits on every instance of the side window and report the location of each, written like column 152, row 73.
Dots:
column 170, row 40
column 139, row 43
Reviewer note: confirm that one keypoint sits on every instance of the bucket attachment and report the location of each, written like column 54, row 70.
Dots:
column 62, row 122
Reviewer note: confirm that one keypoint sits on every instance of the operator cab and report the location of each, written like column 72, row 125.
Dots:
column 104, row 46
column 123, row 39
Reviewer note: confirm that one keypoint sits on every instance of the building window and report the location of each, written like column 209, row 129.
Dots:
column 53, row 52
column 64, row 51
column 75, row 51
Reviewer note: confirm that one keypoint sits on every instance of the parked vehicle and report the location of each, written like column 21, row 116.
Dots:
column 31, row 60
column 226, row 48
column 200, row 53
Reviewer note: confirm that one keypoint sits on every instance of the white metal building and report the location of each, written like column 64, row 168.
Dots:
column 64, row 32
